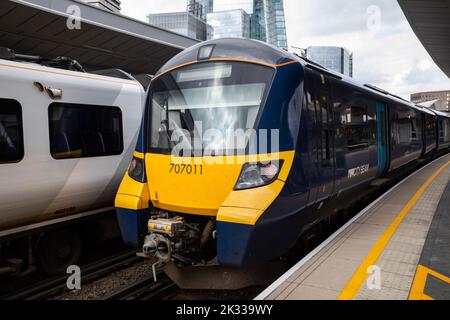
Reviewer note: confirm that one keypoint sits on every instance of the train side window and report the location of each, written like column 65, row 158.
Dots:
column 372, row 128
column 84, row 131
column 405, row 127
column 356, row 123
column 325, row 129
column 446, row 130
column 441, row 130
column 11, row 131
column 414, row 131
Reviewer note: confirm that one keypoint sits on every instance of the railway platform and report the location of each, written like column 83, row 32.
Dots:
column 398, row 248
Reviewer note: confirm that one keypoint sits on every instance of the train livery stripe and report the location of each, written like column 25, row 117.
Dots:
column 228, row 59
column 139, row 155
column 354, row 285
column 71, row 75
column 256, row 62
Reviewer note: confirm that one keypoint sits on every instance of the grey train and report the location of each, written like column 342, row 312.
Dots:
column 66, row 137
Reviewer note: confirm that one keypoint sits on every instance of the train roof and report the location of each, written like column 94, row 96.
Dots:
column 264, row 53
column 236, row 48
column 425, row 109
column 441, row 113
column 434, row 112
column 64, row 63
column 58, row 72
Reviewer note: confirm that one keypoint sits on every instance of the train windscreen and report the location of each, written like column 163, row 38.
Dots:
column 200, row 109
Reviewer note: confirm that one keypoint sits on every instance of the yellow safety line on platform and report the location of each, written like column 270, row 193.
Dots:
column 354, row 285
column 420, row 281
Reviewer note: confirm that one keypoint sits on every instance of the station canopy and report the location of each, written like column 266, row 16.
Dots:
column 430, row 20
column 105, row 40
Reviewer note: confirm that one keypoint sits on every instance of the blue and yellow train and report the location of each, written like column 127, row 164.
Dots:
column 189, row 197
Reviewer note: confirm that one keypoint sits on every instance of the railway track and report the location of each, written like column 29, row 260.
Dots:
column 91, row 272
column 146, row 289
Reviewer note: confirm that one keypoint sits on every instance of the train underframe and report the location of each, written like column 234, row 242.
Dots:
column 184, row 239
column 53, row 247
column 185, row 248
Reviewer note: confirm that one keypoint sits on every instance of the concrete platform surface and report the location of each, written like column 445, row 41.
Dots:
column 398, row 248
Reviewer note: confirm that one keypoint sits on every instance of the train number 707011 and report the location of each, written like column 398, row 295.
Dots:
column 196, row 169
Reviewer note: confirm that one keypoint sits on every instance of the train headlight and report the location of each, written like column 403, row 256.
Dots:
column 137, row 170
column 255, row 175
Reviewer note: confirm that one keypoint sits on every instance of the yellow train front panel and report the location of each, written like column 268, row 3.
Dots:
column 201, row 186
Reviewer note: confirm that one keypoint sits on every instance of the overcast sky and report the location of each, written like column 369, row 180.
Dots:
column 386, row 51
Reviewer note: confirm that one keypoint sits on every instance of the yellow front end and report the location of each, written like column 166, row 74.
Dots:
column 205, row 186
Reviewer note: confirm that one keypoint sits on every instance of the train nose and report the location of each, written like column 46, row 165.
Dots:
column 190, row 185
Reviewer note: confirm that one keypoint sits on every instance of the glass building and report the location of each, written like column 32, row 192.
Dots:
column 225, row 5
column 266, row 19
column 200, row 8
column 256, row 19
column 275, row 22
column 184, row 23
column 230, row 23
column 334, row 58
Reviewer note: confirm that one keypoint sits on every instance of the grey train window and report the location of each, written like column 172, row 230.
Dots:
column 82, row 131
column 444, row 130
column 405, row 127
column 11, row 134
column 356, row 123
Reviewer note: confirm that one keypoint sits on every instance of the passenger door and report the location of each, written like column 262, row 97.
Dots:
column 382, row 147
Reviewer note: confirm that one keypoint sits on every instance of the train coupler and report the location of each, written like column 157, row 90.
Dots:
column 176, row 239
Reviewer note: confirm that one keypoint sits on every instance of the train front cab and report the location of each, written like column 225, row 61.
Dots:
column 213, row 187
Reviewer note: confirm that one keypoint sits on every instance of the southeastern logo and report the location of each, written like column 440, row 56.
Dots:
column 358, row 171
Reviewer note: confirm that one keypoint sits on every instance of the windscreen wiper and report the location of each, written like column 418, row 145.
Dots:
column 167, row 122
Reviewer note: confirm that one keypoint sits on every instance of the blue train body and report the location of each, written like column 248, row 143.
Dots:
column 342, row 136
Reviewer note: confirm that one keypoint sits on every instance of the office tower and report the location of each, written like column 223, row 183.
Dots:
column 199, row 8
column 225, row 5
column 334, row 58
column 256, row 19
column 230, row 23
column 185, row 23
column 191, row 23
column 275, row 22
column 267, row 21
column 210, row 6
